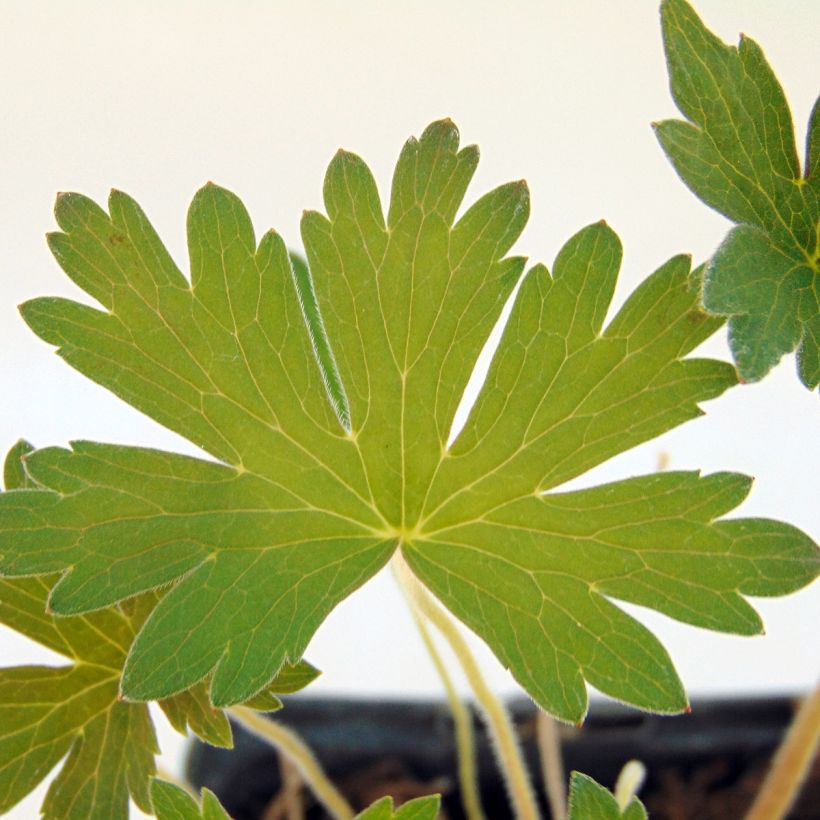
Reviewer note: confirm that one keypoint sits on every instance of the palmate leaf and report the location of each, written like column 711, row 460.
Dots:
column 48, row 712
column 331, row 439
column 737, row 153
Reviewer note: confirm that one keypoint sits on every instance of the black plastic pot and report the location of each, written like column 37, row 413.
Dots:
column 704, row 766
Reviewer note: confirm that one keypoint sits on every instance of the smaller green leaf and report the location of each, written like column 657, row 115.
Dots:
column 737, row 153
column 293, row 678
column 72, row 711
column 590, row 801
column 173, row 803
column 422, row 808
column 290, row 679
column 192, row 709
column 751, row 280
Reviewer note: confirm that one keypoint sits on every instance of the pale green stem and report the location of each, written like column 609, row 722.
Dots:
column 289, row 743
column 552, row 764
column 629, row 782
column 498, row 721
column 462, row 720
column 791, row 763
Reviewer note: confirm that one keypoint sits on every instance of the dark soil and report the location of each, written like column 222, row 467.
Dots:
column 704, row 766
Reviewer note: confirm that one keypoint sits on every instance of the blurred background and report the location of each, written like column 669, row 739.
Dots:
column 156, row 98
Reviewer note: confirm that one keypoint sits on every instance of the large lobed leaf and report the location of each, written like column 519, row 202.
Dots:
column 327, row 396
column 737, row 152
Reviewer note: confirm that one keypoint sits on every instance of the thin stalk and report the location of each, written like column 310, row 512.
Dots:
column 552, row 764
column 791, row 763
column 629, row 782
column 511, row 761
column 293, row 746
column 462, row 720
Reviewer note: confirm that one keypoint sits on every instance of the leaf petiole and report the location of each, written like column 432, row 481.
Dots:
column 289, row 743
column 508, row 752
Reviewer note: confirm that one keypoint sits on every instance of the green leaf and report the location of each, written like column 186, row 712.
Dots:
column 329, row 416
column 590, row 801
column 173, row 803
column 421, row 808
column 737, row 152
column 193, row 709
column 47, row 713
column 51, row 713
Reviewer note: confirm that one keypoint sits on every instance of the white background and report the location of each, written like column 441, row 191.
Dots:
column 155, row 98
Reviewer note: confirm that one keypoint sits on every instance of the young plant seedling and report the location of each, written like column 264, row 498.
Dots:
column 324, row 394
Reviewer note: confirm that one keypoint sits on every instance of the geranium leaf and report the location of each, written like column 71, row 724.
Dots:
column 327, row 397
column 192, row 708
column 47, row 713
column 590, row 801
column 737, row 152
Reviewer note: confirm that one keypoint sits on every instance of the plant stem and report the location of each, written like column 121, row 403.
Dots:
column 791, row 763
column 552, row 764
column 498, row 721
column 293, row 746
column 629, row 782
column 462, row 720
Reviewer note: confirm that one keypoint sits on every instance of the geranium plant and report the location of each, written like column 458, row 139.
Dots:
column 324, row 393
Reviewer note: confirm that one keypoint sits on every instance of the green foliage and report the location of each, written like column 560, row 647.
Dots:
column 173, row 803
column 590, row 801
column 49, row 712
column 331, row 439
column 737, row 153
column 422, row 808
column 323, row 392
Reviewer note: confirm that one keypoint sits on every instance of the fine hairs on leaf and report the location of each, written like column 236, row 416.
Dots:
column 323, row 390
